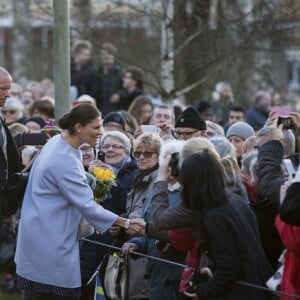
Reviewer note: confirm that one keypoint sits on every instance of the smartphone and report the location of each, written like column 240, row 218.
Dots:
column 289, row 168
column 282, row 111
column 101, row 155
column 150, row 128
column 174, row 164
column 286, row 121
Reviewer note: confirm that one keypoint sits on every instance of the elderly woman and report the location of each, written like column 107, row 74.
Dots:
column 13, row 111
column 115, row 148
column 164, row 277
column 88, row 154
column 146, row 152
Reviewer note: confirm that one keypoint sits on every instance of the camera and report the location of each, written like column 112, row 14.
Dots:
column 196, row 278
column 286, row 121
column 30, row 139
column 174, row 164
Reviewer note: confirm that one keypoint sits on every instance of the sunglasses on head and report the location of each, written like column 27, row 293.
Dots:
column 8, row 111
column 146, row 154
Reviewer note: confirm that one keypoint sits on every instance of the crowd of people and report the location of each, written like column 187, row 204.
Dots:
column 226, row 197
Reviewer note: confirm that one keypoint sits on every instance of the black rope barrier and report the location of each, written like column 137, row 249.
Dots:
column 277, row 293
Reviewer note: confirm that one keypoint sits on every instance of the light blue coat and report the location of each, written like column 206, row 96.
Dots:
column 56, row 196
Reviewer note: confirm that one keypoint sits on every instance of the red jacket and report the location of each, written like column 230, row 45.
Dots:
column 184, row 240
column 290, row 236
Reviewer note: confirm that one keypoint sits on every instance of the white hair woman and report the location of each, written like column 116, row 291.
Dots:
column 13, row 111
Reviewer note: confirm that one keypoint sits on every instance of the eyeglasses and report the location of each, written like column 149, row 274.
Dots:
column 146, row 154
column 185, row 134
column 8, row 111
column 114, row 147
column 113, row 126
column 87, row 149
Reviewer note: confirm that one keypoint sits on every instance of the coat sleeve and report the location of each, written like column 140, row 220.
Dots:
column 290, row 208
column 289, row 234
column 270, row 177
column 224, row 250
column 76, row 191
column 165, row 217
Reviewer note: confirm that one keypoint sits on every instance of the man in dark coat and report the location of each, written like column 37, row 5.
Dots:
column 83, row 75
column 9, row 157
column 132, row 87
column 9, row 164
column 109, row 78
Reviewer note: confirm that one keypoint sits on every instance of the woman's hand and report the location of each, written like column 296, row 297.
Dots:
column 129, row 247
column 295, row 119
column 272, row 119
column 101, row 164
column 164, row 171
column 139, row 226
column 283, row 190
column 138, row 132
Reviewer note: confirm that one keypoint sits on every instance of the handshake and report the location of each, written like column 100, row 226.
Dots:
column 137, row 227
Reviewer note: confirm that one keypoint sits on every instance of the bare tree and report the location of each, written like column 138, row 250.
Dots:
column 81, row 18
column 185, row 46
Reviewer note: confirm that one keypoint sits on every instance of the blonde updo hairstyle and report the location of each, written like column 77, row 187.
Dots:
column 197, row 144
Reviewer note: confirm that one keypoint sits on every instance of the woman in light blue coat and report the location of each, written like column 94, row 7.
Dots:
column 56, row 198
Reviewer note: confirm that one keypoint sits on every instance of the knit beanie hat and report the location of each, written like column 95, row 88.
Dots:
column 37, row 120
column 114, row 117
column 190, row 118
column 240, row 129
column 51, row 129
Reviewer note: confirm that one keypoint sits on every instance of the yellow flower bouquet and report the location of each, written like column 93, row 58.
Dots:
column 105, row 180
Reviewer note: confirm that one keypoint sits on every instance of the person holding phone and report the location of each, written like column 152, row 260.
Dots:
column 56, row 198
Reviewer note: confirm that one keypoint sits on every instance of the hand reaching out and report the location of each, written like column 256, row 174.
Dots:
column 138, row 226
column 128, row 247
column 164, row 171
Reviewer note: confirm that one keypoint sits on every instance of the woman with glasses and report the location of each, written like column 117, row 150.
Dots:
column 146, row 152
column 13, row 111
column 114, row 152
column 163, row 277
column 88, row 154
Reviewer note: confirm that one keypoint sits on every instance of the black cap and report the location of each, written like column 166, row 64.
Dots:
column 114, row 117
column 190, row 118
column 37, row 120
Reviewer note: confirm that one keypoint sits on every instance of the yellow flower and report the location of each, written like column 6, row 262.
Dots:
column 105, row 180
